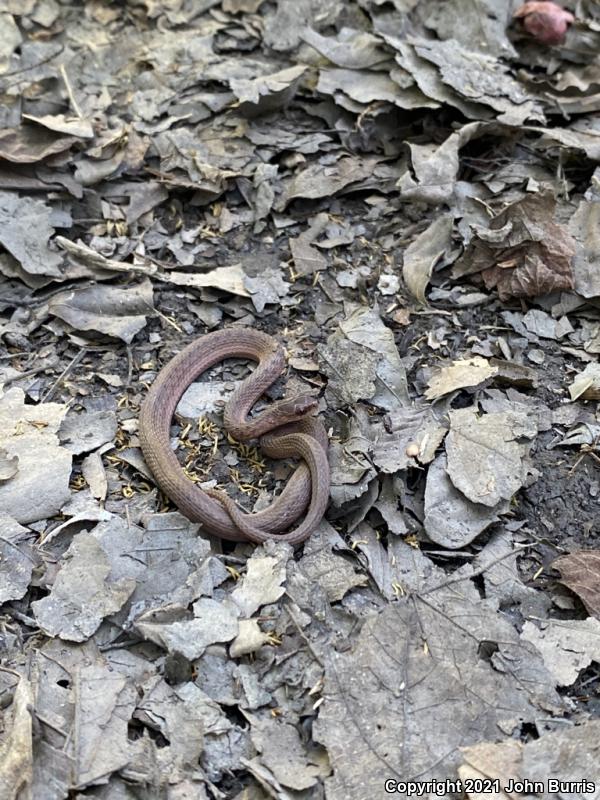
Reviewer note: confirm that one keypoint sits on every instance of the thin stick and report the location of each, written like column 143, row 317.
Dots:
column 519, row 548
column 74, row 102
column 27, row 374
column 34, row 66
column 74, row 361
column 301, row 633
column 164, row 317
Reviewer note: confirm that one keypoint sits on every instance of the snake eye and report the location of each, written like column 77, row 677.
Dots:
column 304, row 404
column 298, row 406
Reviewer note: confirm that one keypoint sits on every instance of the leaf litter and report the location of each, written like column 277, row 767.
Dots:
column 406, row 195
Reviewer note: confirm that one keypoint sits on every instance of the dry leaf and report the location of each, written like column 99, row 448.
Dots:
column 523, row 252
column 580, row 571
column 586, row 385
column 461, row 374
column 227, row 279
column 422, row 255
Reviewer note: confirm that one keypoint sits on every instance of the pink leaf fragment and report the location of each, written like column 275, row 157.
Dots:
column 545, row 21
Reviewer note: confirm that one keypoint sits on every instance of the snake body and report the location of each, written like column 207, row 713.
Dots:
column 284, row 428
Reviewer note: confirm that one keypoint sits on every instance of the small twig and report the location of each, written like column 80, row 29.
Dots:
column 73, row 363
column 163, row 316
column 11, row 671
column 519, row 548
column 27, row 374
column 103, row 648
column 586, row 450
column 33, row 66
column 303, row 636
column 74, row 103
column 129, row 365
column 163, row 264
column 17, row 548
column 29, row 621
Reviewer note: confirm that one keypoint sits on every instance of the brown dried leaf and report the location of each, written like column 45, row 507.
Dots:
column 523, row 253
column 30, row 143
column 533, row 272
column 580, row 571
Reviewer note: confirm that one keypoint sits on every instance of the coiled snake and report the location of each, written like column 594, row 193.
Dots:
column 284, row 429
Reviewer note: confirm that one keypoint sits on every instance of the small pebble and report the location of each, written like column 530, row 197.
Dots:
column 537, row 356
column 388, row 284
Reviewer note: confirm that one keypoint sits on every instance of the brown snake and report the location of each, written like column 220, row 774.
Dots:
column 285, row 431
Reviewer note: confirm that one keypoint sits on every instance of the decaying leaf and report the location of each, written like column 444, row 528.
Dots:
column 96, row 264
column 39, row 486
column 322, row 564
column 584, row 227
column 423, row 254
column 269, row 287
column 28, row 144
column 82, row 594
column 104, row 702
column 524, row 252
column 106, row 309
column 485, row 453
column 565, row 754
column 25, row 230
column 567, row 646
column 80, row 433
column 16, row 754
column 268, row 92
column 451, row 519
column 404, row 663
column 73, row 126
column 319, row 180
column 586, row 385
column 262, row 583
column 249, row 638
column 351, row 470
column 502, row 576
column 16, row 559
column 481, row 78
column 352, row 49
column 178, row 632
column 363, row 362
column 9, row 465
column 283, row 753
column 228, row 279
column 407, row 436
column 580, row 571
column 465, row 373
column 485, row 30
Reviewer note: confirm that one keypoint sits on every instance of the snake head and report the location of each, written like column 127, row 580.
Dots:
column 297, row 407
